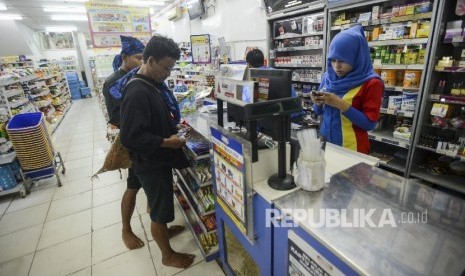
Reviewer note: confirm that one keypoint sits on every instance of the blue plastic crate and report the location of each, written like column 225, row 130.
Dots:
column 7, row 178
column 85, row 91
column 16, row 170
column 75, row 96
column 82, row 83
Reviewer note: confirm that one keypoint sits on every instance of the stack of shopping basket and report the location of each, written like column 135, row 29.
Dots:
column 33, row 146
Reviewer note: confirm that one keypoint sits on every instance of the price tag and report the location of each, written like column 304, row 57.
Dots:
column 457, row 39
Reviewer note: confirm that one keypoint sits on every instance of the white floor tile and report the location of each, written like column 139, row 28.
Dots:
column 108, row 178
column 79, row 154
column 70, row 205
column 73, row 187
column 203, row 268
column 74, row 173
column 65, row 228
column 134, row 262
column 34, row 198
column 19, row 243
column 83, row 146
column 17, row 267
column 107, row 214
column 183, row 243
column 82, row 162
column 107, row 242
column 64, row 258
column 108, row 193
column 5, row 202
column 83, row 272
column 24, row 218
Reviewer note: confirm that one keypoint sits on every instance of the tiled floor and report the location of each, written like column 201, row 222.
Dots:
column 76, row 229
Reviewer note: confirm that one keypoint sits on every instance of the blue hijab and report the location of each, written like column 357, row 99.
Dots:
column 168, row 97
column 129, row 46
column 351, row 47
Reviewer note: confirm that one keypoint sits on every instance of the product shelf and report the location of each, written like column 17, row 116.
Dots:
column 412, row 41
column 449, row 181
column 447, row 99
column 198, row 204
column 308, row 80
column 36, row 85
column 13, row 92
column 300, row 48
column 55, row 126
column 386, row 136
column 396, row 164
column 407, row 114
column 290, row 35
column 399, row 66
column 453, row 155
column 212, row 253
column 384, row 21
column 7, row 158
column 192, row 173
column 22, row 79
column 19, row 103
column 309, row 65
column 43, row 93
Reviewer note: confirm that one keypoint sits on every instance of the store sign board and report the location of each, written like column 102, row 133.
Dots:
column 201, row 52
column 107, row 21
column 230, row 177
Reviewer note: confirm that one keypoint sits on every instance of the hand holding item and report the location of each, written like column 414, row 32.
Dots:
column 174, row 142
column 330, row 99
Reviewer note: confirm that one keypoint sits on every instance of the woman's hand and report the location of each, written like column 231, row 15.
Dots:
column 330, row 99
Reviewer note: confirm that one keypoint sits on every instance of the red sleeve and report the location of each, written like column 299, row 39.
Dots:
column 373, row 91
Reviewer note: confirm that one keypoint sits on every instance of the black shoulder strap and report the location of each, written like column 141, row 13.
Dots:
column 151, row 85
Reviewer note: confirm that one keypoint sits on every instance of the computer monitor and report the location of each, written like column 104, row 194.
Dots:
column 271, row 84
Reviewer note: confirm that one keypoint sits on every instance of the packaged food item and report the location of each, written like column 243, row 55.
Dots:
column 412, row 79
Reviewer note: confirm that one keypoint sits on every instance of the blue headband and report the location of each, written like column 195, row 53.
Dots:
column 129, row 46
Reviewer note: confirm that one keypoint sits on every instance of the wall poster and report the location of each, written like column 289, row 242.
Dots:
column 201, row 52
column 107, row 21
column 230, row 176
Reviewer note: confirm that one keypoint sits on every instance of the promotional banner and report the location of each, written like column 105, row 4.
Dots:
column 107, row 21
column 230, row 179
column 201, row 48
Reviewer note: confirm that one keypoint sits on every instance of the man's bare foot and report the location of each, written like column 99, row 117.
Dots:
column 180, row 260
column 131, row 240
column 174, row 230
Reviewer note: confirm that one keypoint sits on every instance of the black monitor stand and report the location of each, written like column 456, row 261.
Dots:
column 280, row 109
column 282, row 180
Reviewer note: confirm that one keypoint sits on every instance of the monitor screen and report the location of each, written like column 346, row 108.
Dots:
column 195, row 8
column 271, row 84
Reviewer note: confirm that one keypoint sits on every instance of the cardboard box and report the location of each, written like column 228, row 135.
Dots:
column 376, row 33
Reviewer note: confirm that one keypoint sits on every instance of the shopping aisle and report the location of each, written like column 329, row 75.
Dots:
column 76, row 229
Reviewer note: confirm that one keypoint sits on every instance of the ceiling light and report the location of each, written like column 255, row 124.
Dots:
column 58, row 29
column 6, row 16
column 65, row 9
column 141, row 3
column 69, row 17
column 79, row 1
column 3, row 7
